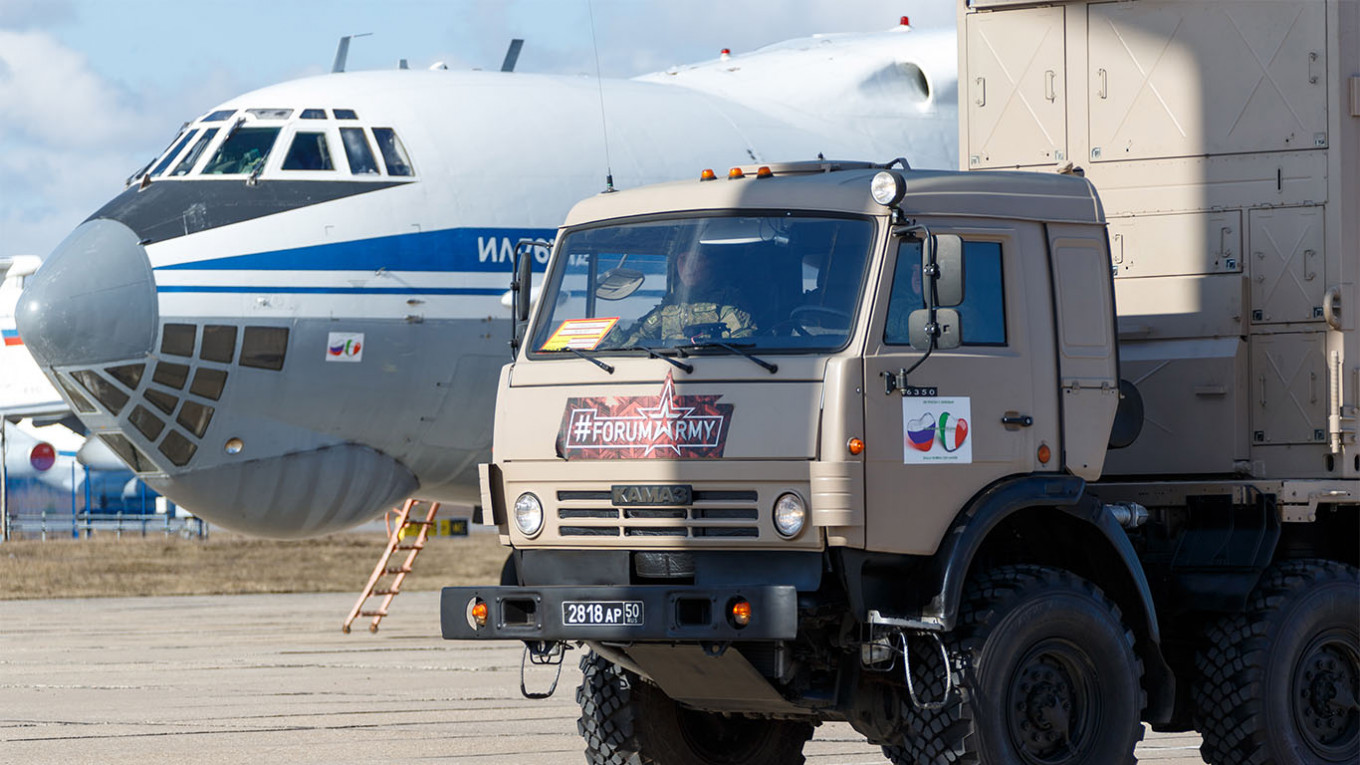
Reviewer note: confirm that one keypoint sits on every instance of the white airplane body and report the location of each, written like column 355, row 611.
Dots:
column 288, row 342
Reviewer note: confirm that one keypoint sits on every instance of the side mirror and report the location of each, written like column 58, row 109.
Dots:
column 944, row 330
column 948, row 270
column 523, row 277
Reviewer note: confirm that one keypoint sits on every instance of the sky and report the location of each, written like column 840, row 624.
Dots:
column 92, row 89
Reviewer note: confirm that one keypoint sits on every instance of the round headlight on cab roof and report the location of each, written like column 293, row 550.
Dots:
column 790, row 513
column 528, row 514
column 888, row 188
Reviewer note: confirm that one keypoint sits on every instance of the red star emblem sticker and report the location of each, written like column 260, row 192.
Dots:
column 666, row 413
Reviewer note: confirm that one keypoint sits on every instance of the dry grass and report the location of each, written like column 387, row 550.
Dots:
column 228, row 564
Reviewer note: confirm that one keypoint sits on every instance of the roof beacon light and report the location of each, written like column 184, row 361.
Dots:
column 708, row 175
column 726, row 53
column 888, row 188
column 735, row 173
column 905, row 22
column 764, row 172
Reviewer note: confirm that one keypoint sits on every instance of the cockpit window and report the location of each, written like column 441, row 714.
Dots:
column 313, row 114
column 360, row 154
column 219, row 115
column 308, row 152
column 170, row 157
column 270, row 114
column 346, row 114
column 191, row 159
column 394, row 154
column 243, row 152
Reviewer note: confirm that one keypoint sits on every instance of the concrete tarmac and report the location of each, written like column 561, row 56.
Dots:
column 271, row 679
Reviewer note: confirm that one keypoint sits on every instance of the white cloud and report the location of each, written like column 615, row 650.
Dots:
column 69, row 135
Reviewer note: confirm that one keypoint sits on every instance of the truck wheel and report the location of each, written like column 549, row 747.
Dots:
column 627, row 721
column 1050, row 677
column 1279, row 683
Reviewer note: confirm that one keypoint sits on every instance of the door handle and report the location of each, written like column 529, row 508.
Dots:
column 1015, row 420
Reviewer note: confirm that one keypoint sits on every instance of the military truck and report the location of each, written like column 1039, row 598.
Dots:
column 993, row 466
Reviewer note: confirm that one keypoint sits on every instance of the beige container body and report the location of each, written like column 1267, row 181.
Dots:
column 1224, row 139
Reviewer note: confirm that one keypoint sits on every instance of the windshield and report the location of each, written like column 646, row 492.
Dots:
column 772, row 282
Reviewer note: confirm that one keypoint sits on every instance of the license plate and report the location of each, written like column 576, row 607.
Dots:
column 602, row 613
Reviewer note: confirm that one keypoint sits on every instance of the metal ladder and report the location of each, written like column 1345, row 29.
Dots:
column 398, row 519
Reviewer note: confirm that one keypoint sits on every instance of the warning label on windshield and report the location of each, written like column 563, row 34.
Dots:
column 581, row 334
column 667, row 426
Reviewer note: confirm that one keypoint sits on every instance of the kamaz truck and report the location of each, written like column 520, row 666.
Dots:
column 995, row 466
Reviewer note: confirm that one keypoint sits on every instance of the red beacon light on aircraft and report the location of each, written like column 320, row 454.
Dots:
column 726, row 54
column 905, row 22
column 42, row 457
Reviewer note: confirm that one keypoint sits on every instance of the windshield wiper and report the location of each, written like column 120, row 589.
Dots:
column 689, row 368
column 737, row 350
column 606, row 367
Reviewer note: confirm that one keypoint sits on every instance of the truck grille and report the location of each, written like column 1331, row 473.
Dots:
column 711, row 514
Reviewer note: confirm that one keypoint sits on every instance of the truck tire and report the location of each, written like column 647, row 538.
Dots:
column 627, row 721
column 1279, row 683
column 1049, row 677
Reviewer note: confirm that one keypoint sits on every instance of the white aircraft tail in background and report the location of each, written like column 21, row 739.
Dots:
column 24, row 390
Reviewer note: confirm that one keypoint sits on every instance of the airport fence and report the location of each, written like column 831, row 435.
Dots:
column 63, row 525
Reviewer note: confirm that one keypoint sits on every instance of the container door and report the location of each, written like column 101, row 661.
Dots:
column 1017, row 102
column 1263, row 85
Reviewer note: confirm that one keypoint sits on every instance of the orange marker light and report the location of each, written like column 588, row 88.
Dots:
column 764, row 172
column 708, row 175
column 735, row 173
column 856, row 446
column 741, row 613
column 478, row 612
column 1044, row 454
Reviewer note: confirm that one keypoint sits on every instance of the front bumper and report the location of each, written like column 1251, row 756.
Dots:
column 669, row 613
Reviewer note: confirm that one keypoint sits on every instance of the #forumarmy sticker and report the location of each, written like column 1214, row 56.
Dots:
column 936, row 430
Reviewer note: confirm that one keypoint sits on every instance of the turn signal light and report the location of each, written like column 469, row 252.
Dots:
column 735, row 173
column 478, row 612
column 1044, row 454
column 741, row 612
column 856, row 446
column 708, row 175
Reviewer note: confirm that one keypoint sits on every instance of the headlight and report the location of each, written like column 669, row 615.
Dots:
column 528, row 514
column 790, row 512
column 888, row 188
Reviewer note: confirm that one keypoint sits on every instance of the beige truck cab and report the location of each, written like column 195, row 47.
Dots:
column 768, row 434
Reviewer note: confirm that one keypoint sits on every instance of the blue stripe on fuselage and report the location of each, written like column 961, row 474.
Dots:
column 479, row 250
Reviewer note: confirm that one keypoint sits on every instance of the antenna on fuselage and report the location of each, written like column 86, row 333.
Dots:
column 604, row 123
column 342, row 51
column 512, row 55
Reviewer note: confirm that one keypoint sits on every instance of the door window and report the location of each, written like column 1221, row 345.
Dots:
column 982, row 314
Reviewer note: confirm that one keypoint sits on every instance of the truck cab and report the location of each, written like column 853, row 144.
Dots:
column 753, row 417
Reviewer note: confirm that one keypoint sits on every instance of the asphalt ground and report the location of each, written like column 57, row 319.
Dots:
column 271, row 679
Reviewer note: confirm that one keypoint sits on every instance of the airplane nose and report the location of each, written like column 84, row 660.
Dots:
column 93, row 300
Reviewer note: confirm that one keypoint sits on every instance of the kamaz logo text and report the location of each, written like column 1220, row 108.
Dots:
column 624, row 495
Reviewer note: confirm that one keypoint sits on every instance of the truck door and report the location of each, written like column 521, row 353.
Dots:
column 971, row 414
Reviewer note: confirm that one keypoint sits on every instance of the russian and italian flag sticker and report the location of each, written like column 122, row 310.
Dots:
column 935, row 430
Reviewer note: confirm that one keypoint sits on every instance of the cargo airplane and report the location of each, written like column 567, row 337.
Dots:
column 292, row 318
